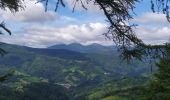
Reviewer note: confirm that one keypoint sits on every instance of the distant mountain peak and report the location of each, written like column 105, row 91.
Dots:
column 83, row 48
column 77, row 44
column 95, row 44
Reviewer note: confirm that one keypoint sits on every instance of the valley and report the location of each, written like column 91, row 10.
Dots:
column 70, row 72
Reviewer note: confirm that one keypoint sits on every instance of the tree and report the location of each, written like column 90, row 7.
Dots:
column 13, row 6
column 159, row 88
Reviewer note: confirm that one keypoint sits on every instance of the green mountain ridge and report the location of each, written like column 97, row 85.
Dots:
column 84, row 48
column 72, row 70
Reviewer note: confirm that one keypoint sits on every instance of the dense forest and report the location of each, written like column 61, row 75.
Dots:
column 64, row 72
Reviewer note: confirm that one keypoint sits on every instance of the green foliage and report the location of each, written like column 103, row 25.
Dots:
column 114, row 98
column 35, row 91
column 22, row 86
column 123, row 89
column 159, row 87
column 99, row 66
column 100, row 74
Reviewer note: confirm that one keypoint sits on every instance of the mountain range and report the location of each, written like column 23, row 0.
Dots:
column 84, row 48
column 70, row 68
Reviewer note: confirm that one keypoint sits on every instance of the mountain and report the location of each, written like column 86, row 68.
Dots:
column 61, row 53
column 84, row 48
column 73, row 68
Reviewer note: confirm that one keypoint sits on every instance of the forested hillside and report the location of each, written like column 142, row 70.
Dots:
column 65, row 67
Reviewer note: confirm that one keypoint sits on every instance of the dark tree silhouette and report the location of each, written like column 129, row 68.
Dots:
column 161, row 6
column 158, row 88
column 13, row 6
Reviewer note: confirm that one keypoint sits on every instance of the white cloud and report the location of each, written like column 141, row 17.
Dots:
column 38, row 34
column 152, row 28
column 153, row 35
column 32, row 13
column 151, row 18
column 43, row 36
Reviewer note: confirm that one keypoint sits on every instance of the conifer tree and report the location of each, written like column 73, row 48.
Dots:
column 159, row 87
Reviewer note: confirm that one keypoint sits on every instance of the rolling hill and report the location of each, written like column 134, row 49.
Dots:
column 73, row 67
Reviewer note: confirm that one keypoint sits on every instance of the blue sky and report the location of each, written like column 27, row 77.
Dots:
column 36, row 28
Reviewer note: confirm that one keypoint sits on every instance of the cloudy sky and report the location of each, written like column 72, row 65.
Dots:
column 36, row 28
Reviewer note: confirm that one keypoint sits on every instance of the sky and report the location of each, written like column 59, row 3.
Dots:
column 36, row 28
